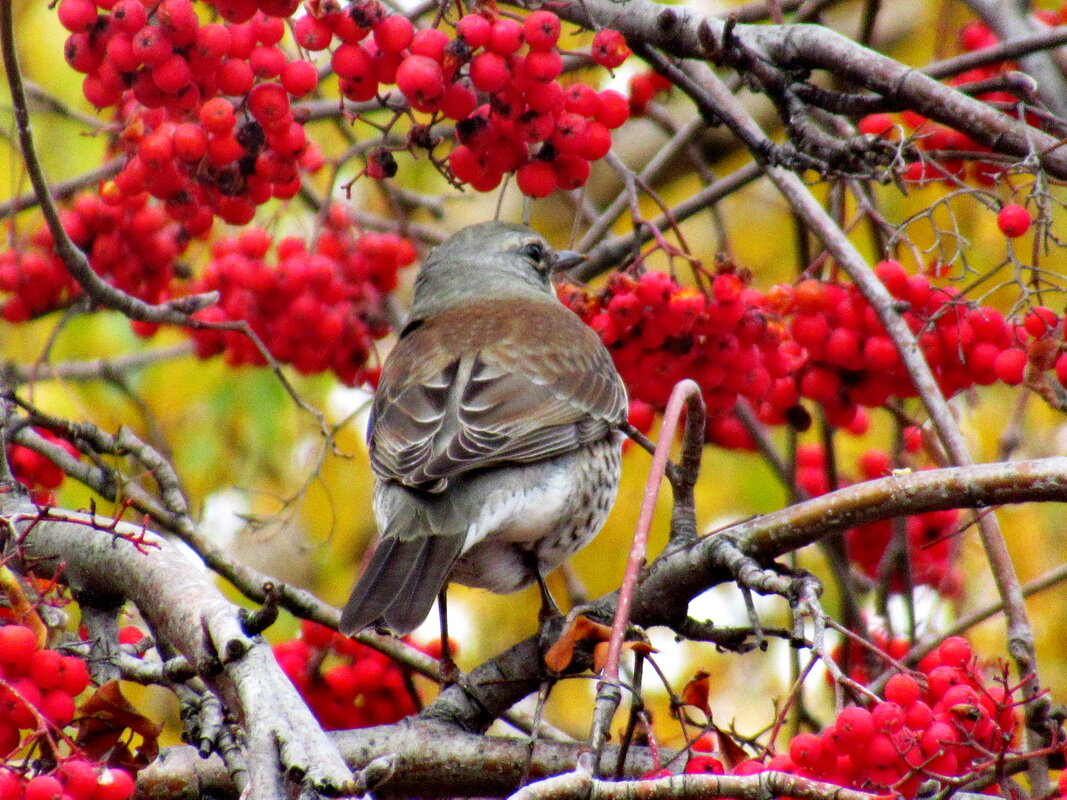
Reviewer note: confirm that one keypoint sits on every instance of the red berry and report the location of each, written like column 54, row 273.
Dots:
column 217, row 116
column 267, row 30
column 704, row 765
column 43, row 787
column 887, row 717
column 854, row 727
column 394, row 33
column 459, row 100
column 235, row 77
column 489, row 72
column 431, row 43
column 1010, row 366
column 609, row 48
column 312, row 33
column 236, row 11
column 614, row 109
column 955, row 651
column 902, row 689
column 79, row 778
column 269, row 105
column 543, row 65
column 57, row 707
column 1061, row 369
column 1013, row 220
column 17, row 645
column 267, row 61
column 422, row 82
column 807, row 750
column 76, row 15
column 10, row 783
column 474, row 30
column 351, row 61
column 1040, row 321
column 541, row 30
column 572, row 171
column 299, row 77
column 505, row 36
column 45, row 669
column 536, row 178
column 75, row 675
column 114, row 784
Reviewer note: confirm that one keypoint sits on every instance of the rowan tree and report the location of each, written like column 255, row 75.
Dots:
column 824, row 249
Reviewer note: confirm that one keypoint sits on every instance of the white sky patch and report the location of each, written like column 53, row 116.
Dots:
column 223, row 516
column 350, row 401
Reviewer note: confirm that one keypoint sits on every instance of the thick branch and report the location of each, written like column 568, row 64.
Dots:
column 188, row 612
column 675, row 577
column 414, row 758
column 796, row 48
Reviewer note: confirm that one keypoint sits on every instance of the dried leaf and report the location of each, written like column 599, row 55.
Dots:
column 695, row 693
column 730, row 751
column 561, row 653
column 105, row 718
column 600, row 652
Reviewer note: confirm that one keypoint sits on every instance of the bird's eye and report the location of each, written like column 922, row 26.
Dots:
column 535, row 251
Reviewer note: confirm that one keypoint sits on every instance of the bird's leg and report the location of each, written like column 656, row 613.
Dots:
column 549, row 609
column 449, row 671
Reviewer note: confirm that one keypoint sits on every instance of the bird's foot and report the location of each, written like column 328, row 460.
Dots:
column 558, row 636
column 450, row 671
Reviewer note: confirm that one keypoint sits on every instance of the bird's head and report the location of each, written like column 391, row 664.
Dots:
column 488, row 260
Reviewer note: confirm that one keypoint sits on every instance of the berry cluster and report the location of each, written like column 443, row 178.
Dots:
column 130, row 243
column 532, row 126
column 946, row 723
column 35, row 471
column 75, row 778
column 37, row 691
column 361, row 688
column 930, row 536
column 319, row 309
column 816, row 340
column 851, row 361
column 170, row 77
column 659, row 333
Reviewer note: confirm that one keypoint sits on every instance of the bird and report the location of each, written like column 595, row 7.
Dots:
column 494, row 435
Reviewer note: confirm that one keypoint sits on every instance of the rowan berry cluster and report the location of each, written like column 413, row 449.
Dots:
column 941, row 723
column 930, row 536
column 532, row 126
column 945, row 722
column 319, row 308
column 131, row 243
column 659, row 333
column 851, row 361
column 170, row 78
column 37, row 694
column 35, row 471
column 344, row 683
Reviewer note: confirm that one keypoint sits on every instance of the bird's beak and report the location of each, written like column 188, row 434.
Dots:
column 565, row 260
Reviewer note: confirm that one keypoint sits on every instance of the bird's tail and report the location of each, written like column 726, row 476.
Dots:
column 401, row 582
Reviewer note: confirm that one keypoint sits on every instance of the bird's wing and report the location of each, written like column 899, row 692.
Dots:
column 486, row 402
